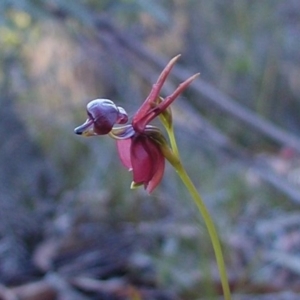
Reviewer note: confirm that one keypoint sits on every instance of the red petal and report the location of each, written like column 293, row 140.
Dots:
column 148, row 162
column 170, row 99
column 123, row 147
column 157, row 177
column 154, row 93
column 141, row 159
column 155, row 111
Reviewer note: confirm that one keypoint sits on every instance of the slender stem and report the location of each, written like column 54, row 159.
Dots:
column 210, row 227
column 173, row 143
column 174, row 159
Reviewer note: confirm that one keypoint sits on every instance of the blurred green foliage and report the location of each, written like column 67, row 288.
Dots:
column 249, row 49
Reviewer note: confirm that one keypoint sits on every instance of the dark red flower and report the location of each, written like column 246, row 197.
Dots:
column 141, row 153
column 139, row 144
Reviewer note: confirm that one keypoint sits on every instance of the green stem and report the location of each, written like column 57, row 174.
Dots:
column 210, row 227
column 173, row 143
column 174, row 159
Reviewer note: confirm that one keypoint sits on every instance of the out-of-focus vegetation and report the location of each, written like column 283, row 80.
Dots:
column 53, row 61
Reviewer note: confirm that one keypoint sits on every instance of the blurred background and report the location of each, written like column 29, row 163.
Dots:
column 71, row 228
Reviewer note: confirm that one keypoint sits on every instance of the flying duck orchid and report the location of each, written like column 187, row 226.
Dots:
column 139, row 143
column 143, row 148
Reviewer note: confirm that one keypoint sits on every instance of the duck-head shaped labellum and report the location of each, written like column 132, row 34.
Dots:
column 103, row 114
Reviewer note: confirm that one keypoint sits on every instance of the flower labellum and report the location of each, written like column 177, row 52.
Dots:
column 103, row 114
